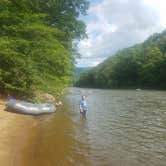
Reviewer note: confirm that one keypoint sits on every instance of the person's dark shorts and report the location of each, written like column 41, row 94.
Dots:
column 84, row 112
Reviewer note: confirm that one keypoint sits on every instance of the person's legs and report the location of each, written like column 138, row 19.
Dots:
column 84, row 112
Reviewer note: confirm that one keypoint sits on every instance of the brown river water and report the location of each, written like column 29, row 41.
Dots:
column 121, row 128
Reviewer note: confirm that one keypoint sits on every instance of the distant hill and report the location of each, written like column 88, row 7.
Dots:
column 78, row 72
column 140, row 66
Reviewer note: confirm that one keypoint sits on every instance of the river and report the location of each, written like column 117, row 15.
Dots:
column 121, row 128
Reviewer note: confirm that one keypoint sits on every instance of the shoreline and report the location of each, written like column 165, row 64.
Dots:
column 101, row 88
column 14, row 136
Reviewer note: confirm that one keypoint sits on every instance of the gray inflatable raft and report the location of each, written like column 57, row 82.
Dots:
column 30, row 108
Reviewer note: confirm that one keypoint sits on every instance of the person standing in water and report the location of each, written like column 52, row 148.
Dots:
column 83, row 106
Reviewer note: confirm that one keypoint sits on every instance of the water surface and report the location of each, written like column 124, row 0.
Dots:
column 122, row 128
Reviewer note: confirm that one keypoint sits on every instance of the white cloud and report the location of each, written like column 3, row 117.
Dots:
column 115, row 24
column 158, row 6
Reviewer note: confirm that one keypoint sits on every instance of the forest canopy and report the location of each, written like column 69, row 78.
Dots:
column 36, row 44
column 140, row 66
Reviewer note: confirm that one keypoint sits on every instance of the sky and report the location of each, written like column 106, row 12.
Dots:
column 116, row 24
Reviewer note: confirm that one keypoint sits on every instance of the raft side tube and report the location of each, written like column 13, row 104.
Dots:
column 30, row 108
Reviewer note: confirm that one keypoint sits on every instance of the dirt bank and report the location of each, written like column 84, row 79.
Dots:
column 14, row 136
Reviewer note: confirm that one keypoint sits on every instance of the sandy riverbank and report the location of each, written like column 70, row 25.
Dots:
column 45, row 140
column 14, row 137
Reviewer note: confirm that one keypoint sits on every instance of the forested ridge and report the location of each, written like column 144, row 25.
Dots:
column 78, row 72
column 140, row 66
column 36, row 44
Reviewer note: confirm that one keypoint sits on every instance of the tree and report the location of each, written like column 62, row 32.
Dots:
column 143, row 65
column 36, row 44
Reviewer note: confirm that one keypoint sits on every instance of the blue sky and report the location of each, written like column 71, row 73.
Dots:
column 116, row 24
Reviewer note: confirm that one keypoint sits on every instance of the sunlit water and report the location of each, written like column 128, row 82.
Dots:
column 122, row 128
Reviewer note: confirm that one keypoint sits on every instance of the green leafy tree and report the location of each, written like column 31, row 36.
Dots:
column 36, row 44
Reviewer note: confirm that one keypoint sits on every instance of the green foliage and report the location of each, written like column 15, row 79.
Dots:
column 36, row 44
column 142, row 65
column 77, row 72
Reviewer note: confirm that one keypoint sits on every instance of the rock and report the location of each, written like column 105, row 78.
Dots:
column 59, row 103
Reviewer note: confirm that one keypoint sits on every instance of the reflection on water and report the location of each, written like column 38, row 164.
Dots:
column 122, row 127
column 52, row 142
column 48, row 140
